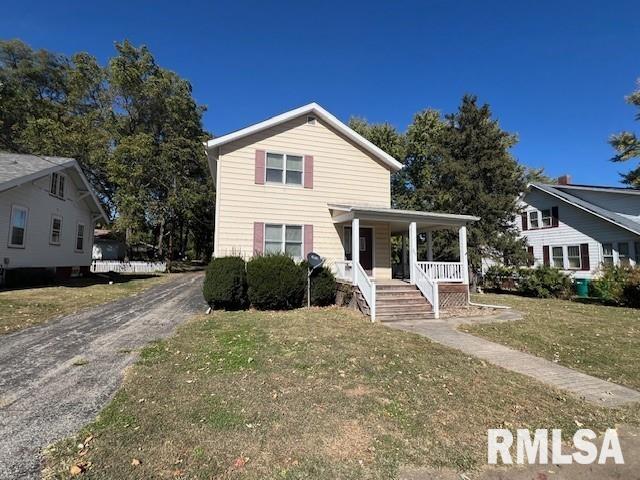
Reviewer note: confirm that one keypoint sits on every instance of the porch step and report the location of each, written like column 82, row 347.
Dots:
column 401, row 301
column 403, row 308
column 398, row 317
column 385, row 301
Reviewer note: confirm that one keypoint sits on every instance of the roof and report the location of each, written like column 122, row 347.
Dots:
column 17, row 169
column 318, row 111
column 608, row 215
column 397, row 215
column 599, row 188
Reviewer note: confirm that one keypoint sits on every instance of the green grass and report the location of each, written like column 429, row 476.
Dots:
column 23, row 308
column 598, row 340
column 309, row 394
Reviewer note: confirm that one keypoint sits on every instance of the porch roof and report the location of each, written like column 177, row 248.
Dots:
column 398, row 219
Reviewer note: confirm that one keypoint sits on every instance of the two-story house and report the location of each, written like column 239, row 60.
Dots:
column 304, row 181
column 579, row 228
column 47, row 214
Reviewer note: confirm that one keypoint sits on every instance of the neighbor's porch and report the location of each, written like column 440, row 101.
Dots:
column 405, row 229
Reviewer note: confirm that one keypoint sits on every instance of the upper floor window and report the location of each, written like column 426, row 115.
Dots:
column 546, row 217
column 283, row 168
column 57, row 185
column 607, row 253
column 56, row 230
column 623, row 254
column 533, row 220
column 283, row 239
column 80, row 237
column 18, row 228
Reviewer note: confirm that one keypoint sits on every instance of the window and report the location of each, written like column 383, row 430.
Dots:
column 533, row 220
column 636, row 246
column 546, row 217
column 558, row 257
column 18, row 230
column 57, row 185
column 56, row 229
column 607, row 253
column 284, row 169
column 283, row 239
column 623, row 254
column 347, row 243
column 573, row 256
column 80, row 237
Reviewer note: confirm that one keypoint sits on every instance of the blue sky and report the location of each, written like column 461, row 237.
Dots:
column 554, row 72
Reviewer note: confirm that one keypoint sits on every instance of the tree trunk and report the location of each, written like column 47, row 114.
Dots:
column 170, row 257
column 127, row 240
column 161, row 239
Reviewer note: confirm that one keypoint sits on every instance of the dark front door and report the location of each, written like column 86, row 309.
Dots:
column 366, row 247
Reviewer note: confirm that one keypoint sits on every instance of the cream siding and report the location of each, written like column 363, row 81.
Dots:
column 343, row 173
column 38, row 252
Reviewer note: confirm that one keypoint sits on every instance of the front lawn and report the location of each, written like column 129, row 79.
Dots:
column 308, row 394
column 23, row 308
column 598, row 340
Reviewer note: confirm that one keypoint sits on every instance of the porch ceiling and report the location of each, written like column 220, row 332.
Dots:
column 399, row 220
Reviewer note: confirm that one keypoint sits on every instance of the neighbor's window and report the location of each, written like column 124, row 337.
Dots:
column 283, row 168
column 546, row 217
column 283, row 239
column 533, row 220
column 636, row 246
column 607, row 253
column 80, row 237
column 56, row 229
column 558, row 257
column 573, row 256
column 623, row 254
column 18, row 230
column 57, row 185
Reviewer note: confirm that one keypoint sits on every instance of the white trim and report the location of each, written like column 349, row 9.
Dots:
column 84, row 237
column 552, row 262
column 26, row 227
column 321, row 113
column 569, row 267
column 59, row 242
column 216, row 234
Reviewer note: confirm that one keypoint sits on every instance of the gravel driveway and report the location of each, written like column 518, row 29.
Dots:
column 55, row 378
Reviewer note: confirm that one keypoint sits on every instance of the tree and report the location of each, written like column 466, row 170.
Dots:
column 627, row 144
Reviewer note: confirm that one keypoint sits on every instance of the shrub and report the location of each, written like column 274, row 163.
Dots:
column 499, row 277
column 609, row 286
column 544, row 282
column 631, row 291
column 275, row 282
column 323, row 286
column 225, row 283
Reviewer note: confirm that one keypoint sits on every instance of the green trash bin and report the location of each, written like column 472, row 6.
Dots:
column 582, row 287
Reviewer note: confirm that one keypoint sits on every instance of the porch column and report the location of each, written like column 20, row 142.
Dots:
column 413, row 250
column 429, row 246
column 464, row 259
column 355, row 248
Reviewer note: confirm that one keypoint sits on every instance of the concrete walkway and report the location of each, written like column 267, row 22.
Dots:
column 591, row 389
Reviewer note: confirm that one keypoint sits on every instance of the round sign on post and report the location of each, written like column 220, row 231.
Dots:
column 315, row 261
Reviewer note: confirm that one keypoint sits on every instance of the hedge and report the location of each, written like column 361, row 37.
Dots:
column 323, row 286
column 275, row 282
column 225, row 283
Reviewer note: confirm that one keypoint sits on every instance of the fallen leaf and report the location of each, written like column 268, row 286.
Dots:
column 239, row 463
column 76, row 469
column 135, row 462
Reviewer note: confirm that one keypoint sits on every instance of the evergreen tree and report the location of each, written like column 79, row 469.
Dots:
column 627, row 144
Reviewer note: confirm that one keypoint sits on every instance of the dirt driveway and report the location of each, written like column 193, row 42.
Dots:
column 55, row 378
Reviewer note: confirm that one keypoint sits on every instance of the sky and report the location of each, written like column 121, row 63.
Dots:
column 554, row 72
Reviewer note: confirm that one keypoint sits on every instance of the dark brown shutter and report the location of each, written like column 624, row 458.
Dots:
column 530, row 258
column 584, row 257
column 525, row 223
column 554, row 216
column 545, row 255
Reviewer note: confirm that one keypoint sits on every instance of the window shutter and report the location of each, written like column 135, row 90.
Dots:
column 308, row 171
column 525, row 223
column 258, row 237
column 554, row 216
column 260, row 159
column 584, row 257
column 545, row 255
column 531, row 259
column 308, row 240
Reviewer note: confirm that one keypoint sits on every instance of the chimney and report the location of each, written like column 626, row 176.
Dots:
column 564, row 180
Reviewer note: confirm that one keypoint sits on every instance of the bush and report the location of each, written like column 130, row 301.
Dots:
column 323, row 286
column 544, row 282
column 225, row 283
column 499, row 277
column 618, row 285
column 275, row 282
column 631, row 291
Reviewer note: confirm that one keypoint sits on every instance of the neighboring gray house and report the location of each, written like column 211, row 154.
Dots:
column 578, row 228
column 47, row 214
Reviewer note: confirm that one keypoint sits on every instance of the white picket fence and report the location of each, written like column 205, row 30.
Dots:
column 104, row 266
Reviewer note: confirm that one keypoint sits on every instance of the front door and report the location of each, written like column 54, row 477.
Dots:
column 366, row 247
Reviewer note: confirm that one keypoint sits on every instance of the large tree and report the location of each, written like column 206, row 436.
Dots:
column 627, row 144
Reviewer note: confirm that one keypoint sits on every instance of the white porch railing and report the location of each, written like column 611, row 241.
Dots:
column 105, row 266
column 443, row 271
column 367, row 288
column 344, row 270
column 428, row 286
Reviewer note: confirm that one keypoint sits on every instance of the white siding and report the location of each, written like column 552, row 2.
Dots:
column 575, row 227
column 38, row 252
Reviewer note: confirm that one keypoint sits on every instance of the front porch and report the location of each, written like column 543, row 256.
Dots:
column 426, row 275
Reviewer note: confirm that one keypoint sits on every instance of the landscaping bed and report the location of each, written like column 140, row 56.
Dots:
column 602, row 341
column 317, row 393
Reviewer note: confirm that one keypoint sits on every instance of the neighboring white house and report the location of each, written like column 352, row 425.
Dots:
column 47, row 214
column 304, row 181
column 578, row 228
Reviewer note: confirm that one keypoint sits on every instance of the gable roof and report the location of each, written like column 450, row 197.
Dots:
column 317, row 110
column 17, row 169
column 611, row 217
